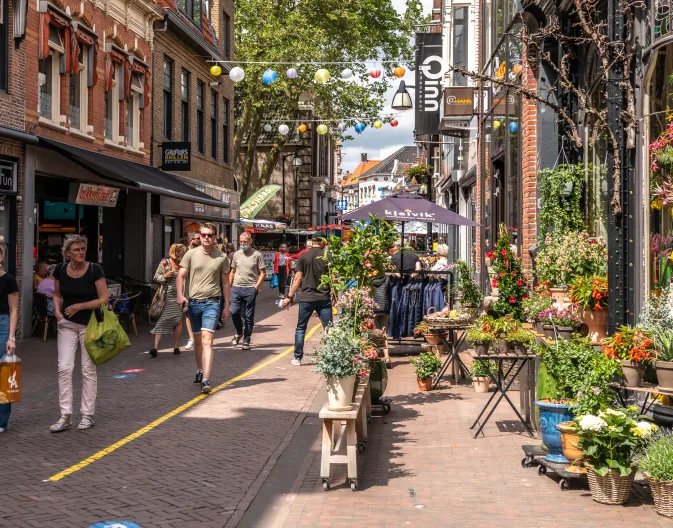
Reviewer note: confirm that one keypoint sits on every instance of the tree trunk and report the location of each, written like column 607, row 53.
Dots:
column 250, row 154
column 271, row 161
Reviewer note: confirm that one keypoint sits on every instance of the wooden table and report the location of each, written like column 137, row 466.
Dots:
column 351, row 426
column 648, row 389
column 502, row 385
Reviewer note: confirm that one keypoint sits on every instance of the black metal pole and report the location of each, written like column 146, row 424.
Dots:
column 283, row 162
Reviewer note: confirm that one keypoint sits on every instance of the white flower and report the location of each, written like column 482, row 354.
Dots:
column 590, row 422
column 644, row 429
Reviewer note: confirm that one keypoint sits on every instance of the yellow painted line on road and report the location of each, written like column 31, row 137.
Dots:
column 156, row 423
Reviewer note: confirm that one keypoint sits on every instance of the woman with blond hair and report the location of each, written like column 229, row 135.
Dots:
column 170, row 319
column 79, row 289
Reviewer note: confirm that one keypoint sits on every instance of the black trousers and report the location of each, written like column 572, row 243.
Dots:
column 282, row 279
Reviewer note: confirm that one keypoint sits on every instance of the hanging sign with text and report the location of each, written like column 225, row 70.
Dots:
column 176, row 156
column 429, row 73
column 89, row 194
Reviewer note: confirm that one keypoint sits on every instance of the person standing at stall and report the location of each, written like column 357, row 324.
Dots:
column 247, row 275
column 9, row 308
column 208, row 270
column 79, row 289
column 406, row 261
column 281, row 267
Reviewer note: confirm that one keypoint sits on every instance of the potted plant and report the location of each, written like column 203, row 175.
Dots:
column 284, row 219
column 426, row 365
column 656, row 462
column 561, row 322
column 610, row 440
column 520, row 340
column 509, row 278
column 431, row 337
column 479, row 339
column 632, row 348
column 466, row 291
column 335, row 359
column 663, row 340
column 502, row 327
column 570, row 446
column 590, row 295
column 534, row 305
column 561, row 198
column 480, row 374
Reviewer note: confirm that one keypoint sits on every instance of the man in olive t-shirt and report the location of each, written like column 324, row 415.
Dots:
column 247, row 275
column 208, row 270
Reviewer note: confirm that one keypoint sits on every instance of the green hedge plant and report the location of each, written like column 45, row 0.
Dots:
column 558, row 213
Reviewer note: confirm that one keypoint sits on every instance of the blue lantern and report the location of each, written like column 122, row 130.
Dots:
column 512, row 127
column 360, row 127
column 380, row 188
column 269, row 77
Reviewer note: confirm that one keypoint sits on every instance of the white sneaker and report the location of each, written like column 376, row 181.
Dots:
column 296, row 362
column 189, row 345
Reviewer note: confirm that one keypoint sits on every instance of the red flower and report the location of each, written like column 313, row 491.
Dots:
column 519, row 282
column 502, row 274
column 494, row 283
column 504, row 252
column 512, row 300
column 514, row 274
column 490, row 254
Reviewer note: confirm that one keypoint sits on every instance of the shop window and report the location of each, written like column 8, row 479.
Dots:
column 184, row 95
column 168, row 98
column 192, row 9
column 213, row 124
column 49, row 95
column 597, row 176
column 133, row 111
column 4, row 45
column 225, row 130
column 112, row 109
column 200, row 93
column 512, row 172
column 78, row 99
column 461, row 43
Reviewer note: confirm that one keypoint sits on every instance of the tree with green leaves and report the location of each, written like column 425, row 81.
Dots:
column 298, row 32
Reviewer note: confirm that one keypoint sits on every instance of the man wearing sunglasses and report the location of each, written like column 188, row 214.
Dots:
column 208, row 270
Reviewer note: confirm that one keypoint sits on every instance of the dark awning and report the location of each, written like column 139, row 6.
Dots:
column 135, row 175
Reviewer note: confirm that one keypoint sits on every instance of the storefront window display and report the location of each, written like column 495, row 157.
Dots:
column 597, row 175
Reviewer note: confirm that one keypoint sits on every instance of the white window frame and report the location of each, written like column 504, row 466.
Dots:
column 114, row 94
column 83, row 94
column 55, row 53
column 134, row 102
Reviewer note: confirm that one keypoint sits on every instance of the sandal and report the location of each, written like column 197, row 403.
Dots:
column 62, row 424
column 85, row 423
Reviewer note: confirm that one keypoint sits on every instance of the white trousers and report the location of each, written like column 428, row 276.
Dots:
column 69, row 336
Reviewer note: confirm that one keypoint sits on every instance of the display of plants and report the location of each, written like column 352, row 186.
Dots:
column 338, row 354
column 570, row 255
column 560, row 317
column 475, row 335
column 481, row 369
column 589, row 293
column 426, row 365
column 612, row 438
column 657, row 312
column 284, row 218
column 466, row 291
column 356, row 309
column 419, row 173
column 509, row 278
column 661, row 169
column 560, row 210
column 536, row 304
column 521, row 336
column 631, row 344
column 422, row 329
column 656, row 462
column 663, row 340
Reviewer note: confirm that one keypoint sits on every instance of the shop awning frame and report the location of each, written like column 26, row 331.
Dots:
column 134, row 175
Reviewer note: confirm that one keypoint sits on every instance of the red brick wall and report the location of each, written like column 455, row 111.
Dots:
column 529, row 168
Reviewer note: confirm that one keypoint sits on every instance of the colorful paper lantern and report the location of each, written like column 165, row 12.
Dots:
column 215, row 70
column 291, row 73
column 347, row 73
column 268, row 128
column 496, row 124
column 360, row 127
column 321, row 76
column 302, row 128
column 399, row 72
column 516, row 69
column 512, row 127
column 378, row 123
column 269, row 77
column 236, row 74
column 342, row 127
column 375, row 73
column 322, row 129
column 394, row 123
column 283, row 130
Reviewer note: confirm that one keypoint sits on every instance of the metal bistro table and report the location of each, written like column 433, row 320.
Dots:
column 502, row 384
column 453, row 346
column 648, row 389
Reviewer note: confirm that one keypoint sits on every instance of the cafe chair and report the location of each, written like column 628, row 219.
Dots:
column 124, row 307
column 40, row 304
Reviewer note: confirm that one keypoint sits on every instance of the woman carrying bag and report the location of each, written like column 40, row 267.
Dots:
column 170, row 319
column 79, row 289
column 9, row 304
column 281, row 268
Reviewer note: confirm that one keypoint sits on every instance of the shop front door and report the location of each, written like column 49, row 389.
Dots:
column 112, row 242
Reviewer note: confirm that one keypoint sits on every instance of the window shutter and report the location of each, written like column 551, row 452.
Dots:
column 74, row 52
column 44, row 35
column 92, row 61
column 120, row 81
column 145, row 101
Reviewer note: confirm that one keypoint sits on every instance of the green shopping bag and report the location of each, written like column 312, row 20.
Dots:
column 105, row 338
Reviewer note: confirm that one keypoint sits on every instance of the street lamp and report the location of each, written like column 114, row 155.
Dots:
column 296, row 163
column 402, row 99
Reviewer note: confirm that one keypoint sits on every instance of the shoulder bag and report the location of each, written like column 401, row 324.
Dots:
column 159, row 299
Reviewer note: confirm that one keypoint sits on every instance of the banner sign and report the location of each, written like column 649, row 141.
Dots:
column 176, row 156
column 100, row 195
column 429, row 74
column 254, row 204
column 458, row 101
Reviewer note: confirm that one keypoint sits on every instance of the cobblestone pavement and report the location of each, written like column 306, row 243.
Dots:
column 249, row 454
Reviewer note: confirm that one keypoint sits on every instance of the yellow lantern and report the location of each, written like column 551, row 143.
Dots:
column 516, row 69
column 302, row 128
column 496, row 125
column 215, row 70
column 322, row 129
column 378, row 123
column 399, row 72
column 321, row 76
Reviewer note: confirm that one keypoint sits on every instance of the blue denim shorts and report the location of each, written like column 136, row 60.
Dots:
column 203, row 314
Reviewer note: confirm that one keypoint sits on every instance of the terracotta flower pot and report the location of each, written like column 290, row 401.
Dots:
column 665, row 374
column 432, row 339
column 597, row 324
column 570, row 447
column 424, row 384
column 481, row 383
column 633, row 373
column 340, row 393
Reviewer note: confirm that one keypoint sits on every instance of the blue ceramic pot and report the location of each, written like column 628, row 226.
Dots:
column 552, row 414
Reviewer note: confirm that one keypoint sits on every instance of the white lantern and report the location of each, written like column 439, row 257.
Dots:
column 268, row 128
column 291, row 73
column 347, row 73
column 342, row 127
column 236, row 74
column 284, row 130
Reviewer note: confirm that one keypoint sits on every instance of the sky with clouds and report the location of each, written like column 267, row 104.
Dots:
column 378, row 144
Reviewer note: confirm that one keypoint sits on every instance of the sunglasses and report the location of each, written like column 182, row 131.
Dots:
column 207, row 235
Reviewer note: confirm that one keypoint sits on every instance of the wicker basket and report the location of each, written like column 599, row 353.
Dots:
column 662, row 492
column 610, row 489
column 442, row 323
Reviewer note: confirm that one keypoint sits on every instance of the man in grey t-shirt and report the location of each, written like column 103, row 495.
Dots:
column 247, row 275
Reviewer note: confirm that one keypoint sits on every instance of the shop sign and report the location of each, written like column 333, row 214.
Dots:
column 89, row 194
column 429, row 73
column 8, row 177
column 176, row 156
column 199, row 207
column 458, row 101
column 226, row 197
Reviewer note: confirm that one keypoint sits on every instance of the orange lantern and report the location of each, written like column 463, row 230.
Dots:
column 516, row 69
column 399, row 72
column 302, row 128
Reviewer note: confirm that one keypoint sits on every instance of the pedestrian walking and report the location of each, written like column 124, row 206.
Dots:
column 170, row 319
column 208, row 270
column 247, row 275
column 194, row 240
column 9, row 308
column 281, row 267
column 311, row 267
column 79, row 289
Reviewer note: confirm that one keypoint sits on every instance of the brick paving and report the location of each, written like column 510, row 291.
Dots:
column 249, row 455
